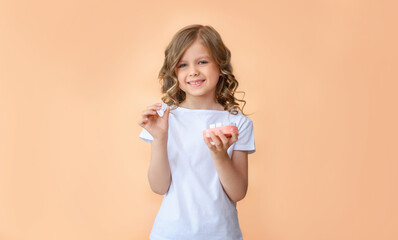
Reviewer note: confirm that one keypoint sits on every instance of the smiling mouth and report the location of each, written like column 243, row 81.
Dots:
column 196, row 83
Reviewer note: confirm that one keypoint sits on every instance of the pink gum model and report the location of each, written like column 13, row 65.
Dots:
column 226, row 130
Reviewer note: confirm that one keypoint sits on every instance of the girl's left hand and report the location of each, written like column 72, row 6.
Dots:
column 221, row 143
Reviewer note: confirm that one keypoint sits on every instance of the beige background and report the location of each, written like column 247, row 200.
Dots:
column 321, row 83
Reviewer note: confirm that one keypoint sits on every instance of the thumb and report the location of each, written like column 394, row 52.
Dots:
column 166, row 113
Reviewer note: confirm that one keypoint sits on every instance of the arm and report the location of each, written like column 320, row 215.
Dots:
column 232, row 172
column 159, row 175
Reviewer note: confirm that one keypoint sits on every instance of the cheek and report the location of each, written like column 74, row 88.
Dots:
column 215, row 72
column 180, row 83
column 179, row 75
column 215, row 75
column 180, row 78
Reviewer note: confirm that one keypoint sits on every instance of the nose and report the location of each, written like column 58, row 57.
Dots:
column 193, row 71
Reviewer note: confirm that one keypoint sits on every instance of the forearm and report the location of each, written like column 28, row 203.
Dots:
column 159, row 175
column 234, row 183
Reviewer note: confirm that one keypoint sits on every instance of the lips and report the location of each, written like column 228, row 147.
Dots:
column 196, row 83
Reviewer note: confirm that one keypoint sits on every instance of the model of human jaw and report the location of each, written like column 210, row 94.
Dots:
column 225, row 129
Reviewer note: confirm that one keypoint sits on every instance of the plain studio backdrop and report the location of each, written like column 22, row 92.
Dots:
column 320, row 79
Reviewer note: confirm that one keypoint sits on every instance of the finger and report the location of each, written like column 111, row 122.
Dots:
column 208, row 143
column 223, row 138
column 155, row 106
column 142, row 122
column 234, row 137
column 166, row 113
column 147, row 113
column 215, row 139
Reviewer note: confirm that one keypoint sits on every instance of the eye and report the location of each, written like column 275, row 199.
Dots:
column 202, row 62
column 181, row 65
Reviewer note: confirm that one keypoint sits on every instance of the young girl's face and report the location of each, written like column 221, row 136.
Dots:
column 197, row 72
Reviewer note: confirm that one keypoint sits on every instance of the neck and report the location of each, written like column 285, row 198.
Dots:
column 200, row 103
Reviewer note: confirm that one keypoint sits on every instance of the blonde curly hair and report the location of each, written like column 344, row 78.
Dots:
column 227, row 83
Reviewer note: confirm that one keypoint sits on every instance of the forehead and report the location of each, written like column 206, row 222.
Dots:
column 196, row 50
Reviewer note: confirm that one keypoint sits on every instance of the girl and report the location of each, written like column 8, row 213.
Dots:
column 201, row 178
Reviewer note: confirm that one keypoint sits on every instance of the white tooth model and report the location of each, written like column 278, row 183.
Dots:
column 226, row 129
column 162, row 109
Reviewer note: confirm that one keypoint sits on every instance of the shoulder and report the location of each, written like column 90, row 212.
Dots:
column 241, row 119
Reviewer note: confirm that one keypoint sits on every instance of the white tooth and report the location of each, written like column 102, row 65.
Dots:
column 212, row 125
column 218, row 124
column 195, row 83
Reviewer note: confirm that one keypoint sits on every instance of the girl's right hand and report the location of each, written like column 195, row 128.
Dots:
column 157, row 126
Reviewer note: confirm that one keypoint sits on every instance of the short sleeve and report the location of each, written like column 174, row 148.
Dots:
column 146, row 136
column 245, row 140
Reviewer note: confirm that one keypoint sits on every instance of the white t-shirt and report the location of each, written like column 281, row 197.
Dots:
column 196, row 206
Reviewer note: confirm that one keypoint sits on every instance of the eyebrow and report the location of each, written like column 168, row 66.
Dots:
column 203, row 56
